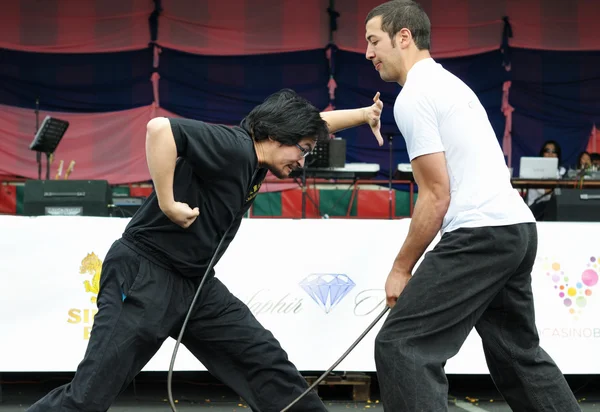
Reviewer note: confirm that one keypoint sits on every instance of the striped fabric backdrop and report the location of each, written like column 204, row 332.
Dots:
column 109, row 65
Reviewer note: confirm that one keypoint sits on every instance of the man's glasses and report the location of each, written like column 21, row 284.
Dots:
column 304, row 151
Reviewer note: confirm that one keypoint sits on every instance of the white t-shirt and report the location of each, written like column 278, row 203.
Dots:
column 436, row 112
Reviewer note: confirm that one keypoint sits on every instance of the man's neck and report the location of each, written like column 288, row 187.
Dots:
column 260, row 153
column 413, row 58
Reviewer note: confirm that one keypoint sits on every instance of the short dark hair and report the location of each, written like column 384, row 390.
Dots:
column 556, row 147
column 286, row 118
column 399, row 14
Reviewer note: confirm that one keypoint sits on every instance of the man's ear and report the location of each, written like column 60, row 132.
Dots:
column 403, row 37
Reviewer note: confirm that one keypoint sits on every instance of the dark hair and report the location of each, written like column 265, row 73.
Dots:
column 399, row 14
column 286, row 118
column 595, row 156
column 556, row 146
column 580, row 156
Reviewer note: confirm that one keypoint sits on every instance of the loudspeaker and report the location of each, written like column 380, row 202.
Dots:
column 67, row 198
column 337, row 153
column 574, row 205
column 331, row 153
column 126, row 206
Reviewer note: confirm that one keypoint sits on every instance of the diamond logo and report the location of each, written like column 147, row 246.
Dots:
column 327, row 289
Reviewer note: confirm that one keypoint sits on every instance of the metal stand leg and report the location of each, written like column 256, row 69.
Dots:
column 391, row 194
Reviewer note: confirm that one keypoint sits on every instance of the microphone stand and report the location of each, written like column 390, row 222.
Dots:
column 390, row 138
column 37, row 126
column 304, row 192
column 305, row 196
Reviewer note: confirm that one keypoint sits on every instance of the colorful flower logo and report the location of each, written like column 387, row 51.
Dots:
column 575, row 291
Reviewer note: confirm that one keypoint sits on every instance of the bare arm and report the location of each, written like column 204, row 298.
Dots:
column 338, row 120
column 161, row 155
column 432, row 204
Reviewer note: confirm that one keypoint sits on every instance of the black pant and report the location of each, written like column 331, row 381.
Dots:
column 222, row 333
column 480, row 278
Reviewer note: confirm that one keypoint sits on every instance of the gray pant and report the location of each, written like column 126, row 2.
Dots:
column 222, row 333
column 479, row 277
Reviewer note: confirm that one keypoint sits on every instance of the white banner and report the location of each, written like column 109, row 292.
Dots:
column 49, row 268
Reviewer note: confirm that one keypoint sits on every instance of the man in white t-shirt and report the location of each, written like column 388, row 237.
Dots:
column 479, row 274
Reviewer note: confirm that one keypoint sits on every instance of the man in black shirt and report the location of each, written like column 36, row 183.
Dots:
column 205, row 178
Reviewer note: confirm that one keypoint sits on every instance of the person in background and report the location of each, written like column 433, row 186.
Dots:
column 552, row 149
column 584, row 161
column 595, row 157
column 536, row 198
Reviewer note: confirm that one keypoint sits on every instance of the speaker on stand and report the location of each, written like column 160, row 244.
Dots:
column 574, row 205
column 67, row 198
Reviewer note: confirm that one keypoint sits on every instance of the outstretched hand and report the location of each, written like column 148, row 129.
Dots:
column 373, row 115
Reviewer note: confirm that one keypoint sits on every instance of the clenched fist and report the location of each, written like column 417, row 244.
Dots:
column 181, row 213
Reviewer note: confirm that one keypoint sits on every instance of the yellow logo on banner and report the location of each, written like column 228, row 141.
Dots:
column 92, row 266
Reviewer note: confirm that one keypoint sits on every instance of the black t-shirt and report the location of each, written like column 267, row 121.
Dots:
column 217, row 171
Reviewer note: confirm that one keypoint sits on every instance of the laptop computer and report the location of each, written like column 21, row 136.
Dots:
column 538, row 168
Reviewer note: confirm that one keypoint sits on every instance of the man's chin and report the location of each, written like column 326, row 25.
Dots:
column 280, row 174
column 386, row 78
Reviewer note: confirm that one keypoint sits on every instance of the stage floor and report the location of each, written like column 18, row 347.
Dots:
column 201, row 392
column 331, row 406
